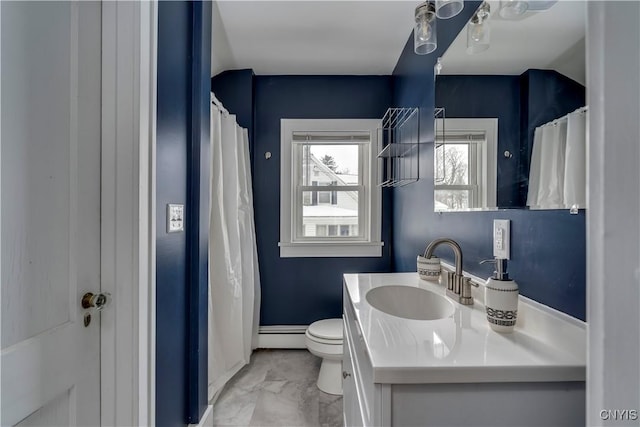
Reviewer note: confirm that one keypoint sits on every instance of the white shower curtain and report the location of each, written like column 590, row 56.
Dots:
column 557, row 175
column 234, row 281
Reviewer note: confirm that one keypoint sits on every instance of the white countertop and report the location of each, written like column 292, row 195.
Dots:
column 546, row 345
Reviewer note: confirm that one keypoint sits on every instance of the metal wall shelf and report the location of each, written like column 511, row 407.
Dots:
column 395, row 150
column 398, row 140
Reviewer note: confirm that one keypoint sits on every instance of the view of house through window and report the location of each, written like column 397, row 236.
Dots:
column 331, row 210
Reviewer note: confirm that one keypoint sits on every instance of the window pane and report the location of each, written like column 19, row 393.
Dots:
column 324, row 197
column 329, row 164
column 452, row 199
column 327, row 219
column 452, row 164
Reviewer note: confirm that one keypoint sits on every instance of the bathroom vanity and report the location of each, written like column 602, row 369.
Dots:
column 454, row 370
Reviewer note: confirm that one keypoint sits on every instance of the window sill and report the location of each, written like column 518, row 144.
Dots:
column 330, row 250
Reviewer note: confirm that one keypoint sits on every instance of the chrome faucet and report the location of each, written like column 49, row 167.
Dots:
column 458, row 286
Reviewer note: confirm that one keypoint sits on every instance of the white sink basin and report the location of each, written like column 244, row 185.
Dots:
column 410, row 302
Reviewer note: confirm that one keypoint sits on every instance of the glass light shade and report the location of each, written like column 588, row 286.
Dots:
column 478, row 37
column 513, row 9
column 446, row 9
column 425, row 36
column 539, row 5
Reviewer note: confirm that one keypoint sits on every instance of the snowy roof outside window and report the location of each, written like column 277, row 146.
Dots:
column 327, row 211
column 341, row 178
column 441, row 206
column 348, row 178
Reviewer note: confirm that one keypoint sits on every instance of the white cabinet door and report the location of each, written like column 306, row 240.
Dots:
column 350, row 402
column 50, row 211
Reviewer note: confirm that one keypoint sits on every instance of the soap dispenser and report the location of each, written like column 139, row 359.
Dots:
column 501, row 298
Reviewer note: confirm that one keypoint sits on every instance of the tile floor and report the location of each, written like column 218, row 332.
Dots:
column 278, row 388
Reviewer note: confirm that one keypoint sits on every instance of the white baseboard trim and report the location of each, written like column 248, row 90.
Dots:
column 282, row 336
column 207, row 418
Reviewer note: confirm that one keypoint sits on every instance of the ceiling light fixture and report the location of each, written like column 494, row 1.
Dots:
column 513, row 9
column 425, row 37
column 446, row 9
column 541, row 5
column 478, row 30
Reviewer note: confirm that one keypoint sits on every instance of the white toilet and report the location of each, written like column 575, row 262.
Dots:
column 324, row 339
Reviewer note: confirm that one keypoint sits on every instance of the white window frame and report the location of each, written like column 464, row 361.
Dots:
column 487, row 156
column 370, row 244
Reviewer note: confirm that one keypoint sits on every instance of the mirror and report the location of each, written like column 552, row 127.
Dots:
column 514, row 132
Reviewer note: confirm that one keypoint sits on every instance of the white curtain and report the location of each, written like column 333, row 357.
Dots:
column 557, row 176
column 234, row 281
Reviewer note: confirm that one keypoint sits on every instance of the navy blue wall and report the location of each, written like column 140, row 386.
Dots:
column 299, row 291
column 197, row 214
column 234, row 88
column 173, row 129
column 489, row 97
column 548, row 247
column 182, row 176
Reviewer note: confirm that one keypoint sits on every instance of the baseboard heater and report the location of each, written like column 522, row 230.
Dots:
column 282, row 336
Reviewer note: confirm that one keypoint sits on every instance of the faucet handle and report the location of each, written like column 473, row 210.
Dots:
column 492, row 261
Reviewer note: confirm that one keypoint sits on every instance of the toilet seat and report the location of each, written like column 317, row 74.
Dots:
column 327, row 331
column 324, row 341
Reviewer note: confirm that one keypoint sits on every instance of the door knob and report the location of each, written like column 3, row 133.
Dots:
column 98, row 301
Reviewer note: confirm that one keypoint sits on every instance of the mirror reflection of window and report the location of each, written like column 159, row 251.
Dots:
column 458, row 188
column 464, row 164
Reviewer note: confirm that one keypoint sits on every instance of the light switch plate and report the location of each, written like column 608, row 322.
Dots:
column 502, row 238
column 175, row 218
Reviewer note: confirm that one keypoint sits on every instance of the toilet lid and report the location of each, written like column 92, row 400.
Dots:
column 328, row 329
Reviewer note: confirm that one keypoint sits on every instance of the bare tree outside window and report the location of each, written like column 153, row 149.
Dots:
column 455, row 173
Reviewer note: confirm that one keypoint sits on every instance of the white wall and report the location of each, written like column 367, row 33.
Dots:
column 613, row 220
column 221, row 56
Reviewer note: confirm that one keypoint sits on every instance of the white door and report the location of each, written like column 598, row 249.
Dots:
column 50, row 212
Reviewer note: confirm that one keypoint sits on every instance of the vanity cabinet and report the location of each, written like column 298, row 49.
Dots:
column 349, row 393
column 363, row 401
column 469, row 400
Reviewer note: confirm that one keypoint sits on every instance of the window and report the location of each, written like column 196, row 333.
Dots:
column 465, row 165
column 457, row 170
column 329, row 204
